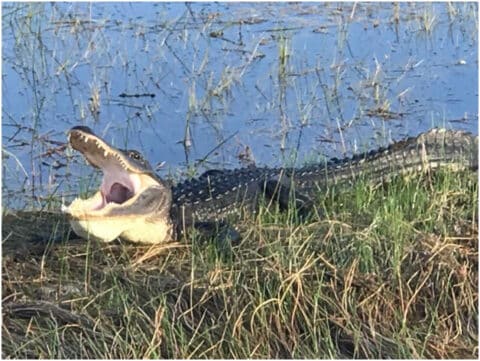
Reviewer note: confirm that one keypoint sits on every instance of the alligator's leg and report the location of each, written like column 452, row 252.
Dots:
column 283, row 191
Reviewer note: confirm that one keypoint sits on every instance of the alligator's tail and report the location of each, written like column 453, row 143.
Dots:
column 436, row 148
column 454, row 149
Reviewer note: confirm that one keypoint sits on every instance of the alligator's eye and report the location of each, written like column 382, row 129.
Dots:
column 135, row 155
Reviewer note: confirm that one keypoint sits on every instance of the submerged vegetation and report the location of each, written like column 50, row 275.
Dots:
column 388, row 271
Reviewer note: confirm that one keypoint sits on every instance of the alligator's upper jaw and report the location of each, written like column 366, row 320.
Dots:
column 113, row 210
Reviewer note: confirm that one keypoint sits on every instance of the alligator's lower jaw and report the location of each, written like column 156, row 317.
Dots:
column 105, row 225
column 100, row 229
column 130, row 228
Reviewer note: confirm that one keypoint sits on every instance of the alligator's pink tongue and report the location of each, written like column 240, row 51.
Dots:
column 118, row 194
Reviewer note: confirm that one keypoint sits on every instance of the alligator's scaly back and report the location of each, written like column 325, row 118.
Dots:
column 220, row 193
column 436, row 148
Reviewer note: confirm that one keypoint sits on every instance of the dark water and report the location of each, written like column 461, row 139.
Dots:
column 195, row 85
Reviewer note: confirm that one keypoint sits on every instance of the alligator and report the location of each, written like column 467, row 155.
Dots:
column 135, row 204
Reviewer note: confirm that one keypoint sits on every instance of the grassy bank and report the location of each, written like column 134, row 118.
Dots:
column 386, row 271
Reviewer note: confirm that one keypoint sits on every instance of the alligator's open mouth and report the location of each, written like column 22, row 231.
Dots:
column 126, row 175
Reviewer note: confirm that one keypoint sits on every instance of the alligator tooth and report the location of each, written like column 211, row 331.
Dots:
column 105, row 153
